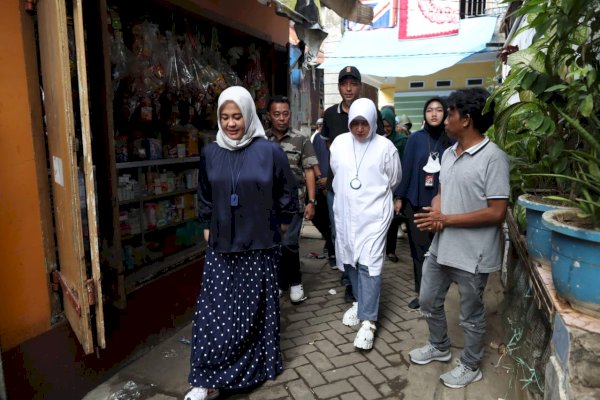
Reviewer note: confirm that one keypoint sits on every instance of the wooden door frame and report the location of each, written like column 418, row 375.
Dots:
column 78, row 290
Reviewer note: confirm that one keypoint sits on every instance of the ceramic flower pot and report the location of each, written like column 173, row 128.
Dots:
column 538, row 236
column 575, row 262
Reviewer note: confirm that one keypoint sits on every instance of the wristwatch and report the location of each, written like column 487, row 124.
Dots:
column 313, row 202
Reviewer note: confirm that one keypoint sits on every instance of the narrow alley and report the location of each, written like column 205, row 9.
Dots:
column 320, row 359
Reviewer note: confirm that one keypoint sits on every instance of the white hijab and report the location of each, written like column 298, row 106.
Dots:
column 363, row 109
column 253, row 128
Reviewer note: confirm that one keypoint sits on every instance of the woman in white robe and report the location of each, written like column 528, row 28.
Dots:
column 366, row 170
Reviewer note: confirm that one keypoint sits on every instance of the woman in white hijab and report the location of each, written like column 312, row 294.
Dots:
column 246, row 196
column 367, row 169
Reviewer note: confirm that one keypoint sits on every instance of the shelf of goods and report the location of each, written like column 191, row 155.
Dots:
column 157, row 217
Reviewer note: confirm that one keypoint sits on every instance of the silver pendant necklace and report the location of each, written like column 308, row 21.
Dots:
column 355, row 183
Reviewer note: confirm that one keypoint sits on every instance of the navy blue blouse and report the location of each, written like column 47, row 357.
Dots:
column 412, row 187
column 266, row 192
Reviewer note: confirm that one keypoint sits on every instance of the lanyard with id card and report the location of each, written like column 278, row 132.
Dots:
column 234, row 199
column 433, row 165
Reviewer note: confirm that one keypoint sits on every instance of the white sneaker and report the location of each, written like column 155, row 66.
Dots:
column 280, row 292
column 297, row 293
column 400, row 234
column 198, row 393
column 351, row 315
column 364, row 337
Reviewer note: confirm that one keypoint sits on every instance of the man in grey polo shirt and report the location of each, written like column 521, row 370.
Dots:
column 466, row 216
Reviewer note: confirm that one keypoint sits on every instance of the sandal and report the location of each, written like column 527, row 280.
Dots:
column 198, row 393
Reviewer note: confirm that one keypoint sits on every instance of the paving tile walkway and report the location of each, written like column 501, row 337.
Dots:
column 320, row 359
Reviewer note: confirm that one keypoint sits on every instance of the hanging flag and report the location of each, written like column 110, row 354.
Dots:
column 384, row 16
column 427, row 18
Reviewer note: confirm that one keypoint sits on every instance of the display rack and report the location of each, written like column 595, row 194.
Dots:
column 157, row 216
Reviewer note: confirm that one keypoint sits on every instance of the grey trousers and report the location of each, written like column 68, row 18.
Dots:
column 434, row 286
column 366, row 290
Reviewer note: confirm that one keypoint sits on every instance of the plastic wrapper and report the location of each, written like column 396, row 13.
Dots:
column 119, row 57
column 179, row 76
column 198, row 69
column 147, row 64
column 133, row 391
column 254, row 78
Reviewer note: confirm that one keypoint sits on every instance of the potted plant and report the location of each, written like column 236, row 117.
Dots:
column 528, row 128
column 557, row 82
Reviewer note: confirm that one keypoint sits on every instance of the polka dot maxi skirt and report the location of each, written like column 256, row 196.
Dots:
column 235, row 341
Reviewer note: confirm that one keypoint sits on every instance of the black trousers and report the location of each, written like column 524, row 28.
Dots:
column 419, row 242
column 322, row 223
column 392, row 234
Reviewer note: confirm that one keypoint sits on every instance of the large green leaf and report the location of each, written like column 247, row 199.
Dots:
column 535, row 121
column 556, row 150
column 587, row 105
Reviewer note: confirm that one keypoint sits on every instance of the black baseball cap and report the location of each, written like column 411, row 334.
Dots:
column 349, row 72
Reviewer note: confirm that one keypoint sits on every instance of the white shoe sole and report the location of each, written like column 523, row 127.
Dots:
column 300, row 300
column 423, row 362
column 450, row 385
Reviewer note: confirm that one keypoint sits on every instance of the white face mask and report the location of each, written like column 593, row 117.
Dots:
column 433, row 163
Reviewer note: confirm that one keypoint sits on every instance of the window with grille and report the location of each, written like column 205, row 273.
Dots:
column 471, row 8
column 443, row 83
column 416, row 84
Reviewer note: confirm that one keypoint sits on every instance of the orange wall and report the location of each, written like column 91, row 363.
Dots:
column 24, row 298
column 248, row 15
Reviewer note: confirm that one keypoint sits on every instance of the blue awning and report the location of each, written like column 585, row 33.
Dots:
column 379, row 52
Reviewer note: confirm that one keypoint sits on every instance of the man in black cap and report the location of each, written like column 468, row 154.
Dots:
column 335, row 122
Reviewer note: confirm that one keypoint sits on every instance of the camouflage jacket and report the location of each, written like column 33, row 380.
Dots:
column 301, row 155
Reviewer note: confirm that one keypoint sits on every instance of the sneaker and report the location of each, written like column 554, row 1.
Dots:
column 400, row 234
column 460, row 376
column 198, row 393
column 280, row 292
column 428, row 353
column 414, row 304
column 392, row 257
column 350, row 317
column 364, row 337
column 297, row 293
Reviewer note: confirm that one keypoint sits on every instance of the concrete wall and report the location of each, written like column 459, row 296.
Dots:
column 333, row 24
column 24, row 293
column 457, row 74
column 410, row 101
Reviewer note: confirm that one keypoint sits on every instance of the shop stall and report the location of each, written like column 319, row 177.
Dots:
column 130, row 95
